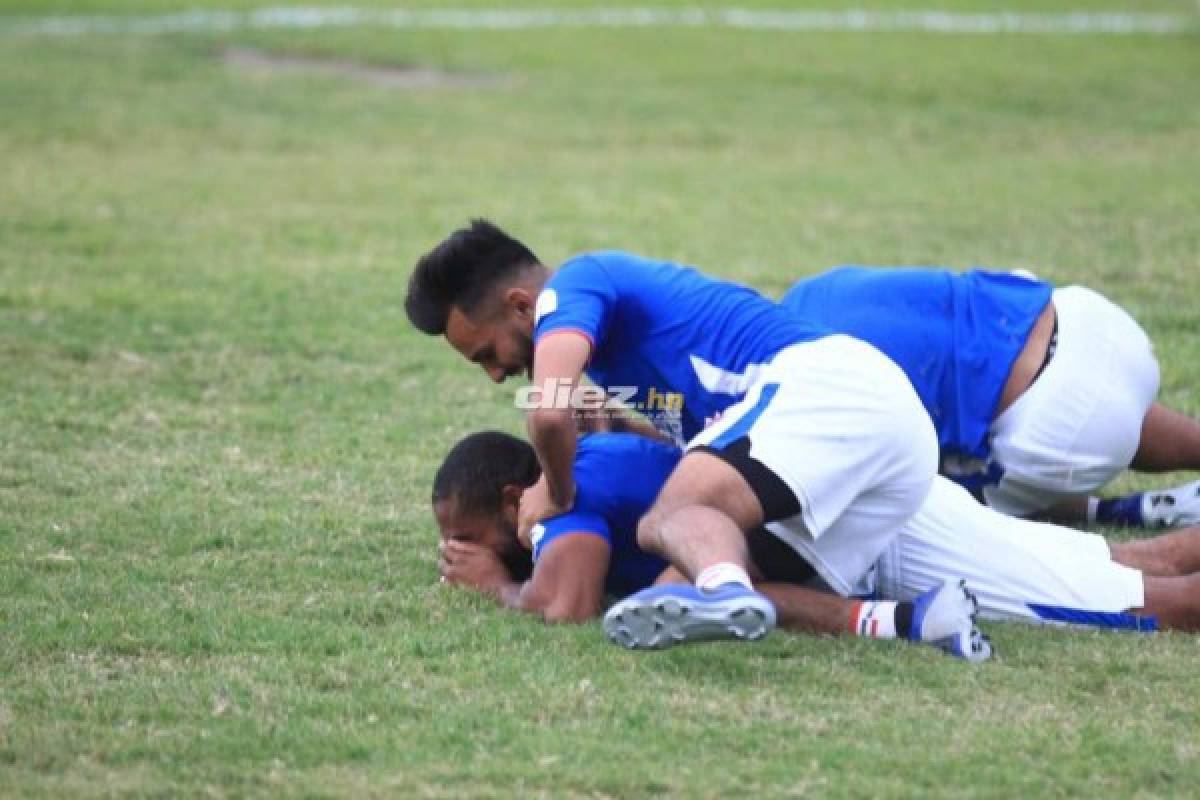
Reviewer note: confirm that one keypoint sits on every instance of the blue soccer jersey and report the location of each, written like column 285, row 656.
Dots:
column 685, row 346
column 956, row 336
column 617, row 477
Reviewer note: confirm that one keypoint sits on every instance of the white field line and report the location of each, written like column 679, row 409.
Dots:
column 1109, row 23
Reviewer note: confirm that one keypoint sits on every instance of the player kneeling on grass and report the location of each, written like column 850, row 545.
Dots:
column 1015, row 569
column 1039, row 395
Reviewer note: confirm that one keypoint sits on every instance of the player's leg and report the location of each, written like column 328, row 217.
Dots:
column 1067, row 510
column 798, row 608
column 944, row 616
column 831, row 426
column 1174, row 602
column 1035, row 572
column 842, row 454
column 1168, row 554
column 698, row 518
column 1157, row 509
column 1018, row 569
column 1169, row 441
column 697, row 523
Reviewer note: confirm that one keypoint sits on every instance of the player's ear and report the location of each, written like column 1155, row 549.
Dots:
column 510, row 501
column 521, row 302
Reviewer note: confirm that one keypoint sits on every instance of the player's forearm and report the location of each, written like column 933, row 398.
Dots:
column 808, row 610
column 508, row 595
column 552, row 432
column 514, row 595
column 524, row 597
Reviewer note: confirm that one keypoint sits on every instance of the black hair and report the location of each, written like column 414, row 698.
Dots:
column 460, row 272
column 477, row 469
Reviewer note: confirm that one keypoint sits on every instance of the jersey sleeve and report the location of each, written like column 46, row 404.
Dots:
column 579, row 297
column 565, row 524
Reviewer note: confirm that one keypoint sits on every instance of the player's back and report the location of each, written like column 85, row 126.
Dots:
column 667, row 329
column 956, row 336
column 617, row 478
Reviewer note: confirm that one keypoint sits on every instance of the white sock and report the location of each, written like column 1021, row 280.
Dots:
column 877, row 620
column 720, row 574
column 1092, row 506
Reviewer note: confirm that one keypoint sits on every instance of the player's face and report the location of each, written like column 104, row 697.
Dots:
column 501, row 343
column 497, row 532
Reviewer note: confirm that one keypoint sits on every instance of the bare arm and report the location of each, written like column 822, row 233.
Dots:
column 558, row 364
column 567, row 584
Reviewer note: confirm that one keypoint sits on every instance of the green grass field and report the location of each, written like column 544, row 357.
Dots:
column 217, row 565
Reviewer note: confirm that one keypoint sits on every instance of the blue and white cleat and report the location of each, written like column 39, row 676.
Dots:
column 1172, row 508
column 944, row 617
column 663, row 616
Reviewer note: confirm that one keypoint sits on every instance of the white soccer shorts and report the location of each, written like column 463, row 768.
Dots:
column 1017, row 569
column 840, row 424
column 1078, row 426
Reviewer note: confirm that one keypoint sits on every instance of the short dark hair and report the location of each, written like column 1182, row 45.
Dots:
column 460, row 272
column 477, row 469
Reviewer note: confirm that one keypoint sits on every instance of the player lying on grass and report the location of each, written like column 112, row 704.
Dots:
column 1039, row 395
column 818, row 434
column 590, row 552
column 1018, row 569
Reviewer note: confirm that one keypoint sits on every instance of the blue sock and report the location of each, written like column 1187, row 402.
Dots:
column 1126, row 511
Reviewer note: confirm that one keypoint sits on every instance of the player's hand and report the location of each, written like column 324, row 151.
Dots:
column 537, row 505
column 471, row 565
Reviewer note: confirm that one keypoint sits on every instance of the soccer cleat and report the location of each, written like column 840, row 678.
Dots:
column 663, row 616
column 1173, row 508
column 944, row 617
column 971, row 646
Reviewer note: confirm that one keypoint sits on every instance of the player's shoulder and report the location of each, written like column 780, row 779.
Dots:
column 617, row 265
column 600, row 260
column 582, row 278
column 588, row 271
column 616, row 275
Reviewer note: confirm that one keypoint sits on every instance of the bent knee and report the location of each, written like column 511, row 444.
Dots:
column 649, row 527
